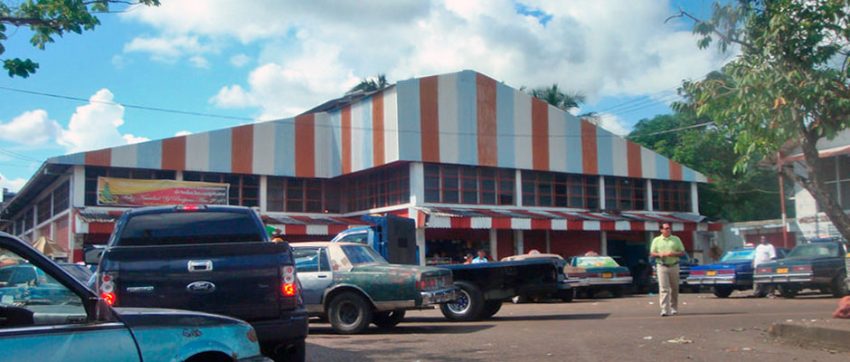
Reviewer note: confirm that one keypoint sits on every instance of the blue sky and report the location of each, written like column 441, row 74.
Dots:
column 276, row 58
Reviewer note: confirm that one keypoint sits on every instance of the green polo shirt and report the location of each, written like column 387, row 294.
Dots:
column 666, row 245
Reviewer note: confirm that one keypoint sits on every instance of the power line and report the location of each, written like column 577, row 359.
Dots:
column 127, row 105
column 18, row 155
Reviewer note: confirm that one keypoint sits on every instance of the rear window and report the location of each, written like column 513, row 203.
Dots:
column 201, row 227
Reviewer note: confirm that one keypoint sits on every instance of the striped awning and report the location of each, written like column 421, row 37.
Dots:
column 523, row 219
column 311, row 225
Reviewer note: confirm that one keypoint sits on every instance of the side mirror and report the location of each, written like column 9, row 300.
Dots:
column 93, row 254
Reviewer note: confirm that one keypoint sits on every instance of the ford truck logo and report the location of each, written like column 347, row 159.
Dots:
column 200, row 287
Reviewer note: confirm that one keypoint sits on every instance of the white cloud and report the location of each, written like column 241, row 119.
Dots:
column 611, row 123
column 14, row 185
column 95, row 125
column 169, row 49
column 239, row 60
column 32, row 128
column 182, row 133
column 315, row 50
column 198, row 61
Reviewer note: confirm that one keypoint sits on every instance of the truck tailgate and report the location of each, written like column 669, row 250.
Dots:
column 240, row 280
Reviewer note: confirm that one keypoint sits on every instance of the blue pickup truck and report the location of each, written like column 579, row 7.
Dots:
column 733, row 272
column 73, row 324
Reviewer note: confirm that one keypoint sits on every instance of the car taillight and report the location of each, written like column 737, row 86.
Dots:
column 802, row 268
column 106, row 287
column 764, row 270
column 726, row 271
column 289, row 286
column 697, row 272
column 623, row 274
column 190, row 207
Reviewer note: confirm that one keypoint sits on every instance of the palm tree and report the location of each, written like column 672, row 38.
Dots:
column 370, row 84
column 558, row 98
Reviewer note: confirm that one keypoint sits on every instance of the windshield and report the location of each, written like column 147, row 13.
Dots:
column 594, row 261
column 738, row 255
column 358, row 255
column 814, row 249
column 201, row 227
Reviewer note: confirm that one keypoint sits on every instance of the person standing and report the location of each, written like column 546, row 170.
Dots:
column 764, row 253
column 667, row 248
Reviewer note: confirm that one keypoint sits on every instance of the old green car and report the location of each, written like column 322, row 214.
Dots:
column 352, row 286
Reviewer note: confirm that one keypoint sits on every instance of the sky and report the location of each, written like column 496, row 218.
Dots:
column 225, row 63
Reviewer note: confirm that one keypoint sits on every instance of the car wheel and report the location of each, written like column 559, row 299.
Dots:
column 787, row 292
column 694, row 289
column 491, row 307
column 294, row 352
column 839, row 287
column 389, row 319
column 349, row 313
column 617, row 292
column 722, row 292
column 468, row 305
column 567, row 296
column 519, row 299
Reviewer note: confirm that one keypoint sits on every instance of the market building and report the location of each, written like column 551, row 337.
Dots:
column 477, row 164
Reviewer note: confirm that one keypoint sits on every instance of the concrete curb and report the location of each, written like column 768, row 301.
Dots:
column 807, row 334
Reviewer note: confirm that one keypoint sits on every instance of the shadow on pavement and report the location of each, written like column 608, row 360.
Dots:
column 561, row 317
column 316, row 353
column 323, row 329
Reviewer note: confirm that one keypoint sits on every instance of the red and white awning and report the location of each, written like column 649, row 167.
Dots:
column 516, row 219
column 311, row 225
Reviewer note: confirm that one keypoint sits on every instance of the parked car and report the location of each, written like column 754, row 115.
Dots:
column 352, row 286
column 567, row 285
column 599, row 273
column 482, row 287
column 215, row 259
column 816, row 265
column 82, row 327
column 733, row 272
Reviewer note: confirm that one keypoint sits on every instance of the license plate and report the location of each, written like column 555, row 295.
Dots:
column 711, row 273
column 607, row 275
column 782, row 270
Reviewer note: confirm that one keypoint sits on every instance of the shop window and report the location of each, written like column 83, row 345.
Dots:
column 835, row 172
column 244, row 190
column 671, row 196
column 43, row 208
column 300, row 195
column 468, row 185
column 29, row 219
column 622, row 193
column 550, row 189
column 60, row 198
column 376, row 188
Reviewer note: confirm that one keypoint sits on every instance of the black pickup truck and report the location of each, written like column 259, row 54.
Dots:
column 215, row 259
column 817, row 265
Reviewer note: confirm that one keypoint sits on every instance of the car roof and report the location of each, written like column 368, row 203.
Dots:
column 320, row 244
column 532, row 256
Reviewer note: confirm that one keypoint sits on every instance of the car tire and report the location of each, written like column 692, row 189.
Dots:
column 293, row 352
column 491, row 307
column 694, row 289
column 617, row 292
column 787, row 292
column 349, row 313
column 389, row 319
column 567, row 296
column 519, row 299
column 467, row 307
column 839, row 287
column 723, row 292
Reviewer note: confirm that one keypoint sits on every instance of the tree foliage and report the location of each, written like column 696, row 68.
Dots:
column 377, row 82
column 47, row 19
column 787, row 88
column 753, row 195
column 557, row 97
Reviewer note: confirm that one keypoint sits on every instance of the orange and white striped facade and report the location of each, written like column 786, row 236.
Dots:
column 464, row 118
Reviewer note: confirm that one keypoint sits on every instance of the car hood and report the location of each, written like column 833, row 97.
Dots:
column 720, row 266
column 399, row 269
column 805, row 260
column 141, row 317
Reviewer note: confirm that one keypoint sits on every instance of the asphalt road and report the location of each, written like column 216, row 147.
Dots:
column 628, row 329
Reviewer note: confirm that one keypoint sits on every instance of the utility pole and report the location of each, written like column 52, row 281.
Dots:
column 782, row 199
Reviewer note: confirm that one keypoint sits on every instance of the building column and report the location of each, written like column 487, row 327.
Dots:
column 519, row 242
column 178, row 175
column 417, row 183
column 518, row 187
column 603, row 243
column 264, row 192
column 602, row 193
column 694, row 198
column 494, row 244
column 78, row 186
column 420, row 244
column 649, row 195
column 548, row 242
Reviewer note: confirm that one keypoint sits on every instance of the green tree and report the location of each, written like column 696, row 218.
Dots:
column 687, row 139
column 557, row 97
column 49, row 18
column 375, row 83
column 787, row 88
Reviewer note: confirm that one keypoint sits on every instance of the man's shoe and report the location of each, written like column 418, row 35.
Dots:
column 664, row 314
column 674, row 312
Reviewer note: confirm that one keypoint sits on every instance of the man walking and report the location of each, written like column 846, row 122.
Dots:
column 764, row 252
column 667, row 249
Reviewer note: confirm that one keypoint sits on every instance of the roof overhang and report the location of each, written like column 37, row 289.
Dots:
column 43, row 177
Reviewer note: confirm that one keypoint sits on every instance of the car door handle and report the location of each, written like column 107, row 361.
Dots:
column 321, row 276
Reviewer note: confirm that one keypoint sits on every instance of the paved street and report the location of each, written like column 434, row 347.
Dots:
column 707, row 329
